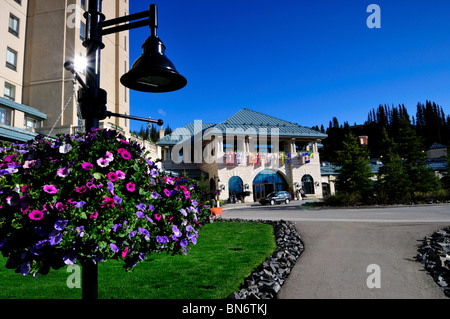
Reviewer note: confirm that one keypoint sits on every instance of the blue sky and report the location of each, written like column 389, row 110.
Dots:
column 301, row 61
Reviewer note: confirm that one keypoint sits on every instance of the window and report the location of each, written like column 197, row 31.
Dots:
column 13, row 25
column 82, row 31
column 31, row 123
column 5, row 116
column 9, row 91
column 18, row 1
column 11, row 59
column 83, row 4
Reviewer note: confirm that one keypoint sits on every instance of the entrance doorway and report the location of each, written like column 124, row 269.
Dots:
column 266, row 182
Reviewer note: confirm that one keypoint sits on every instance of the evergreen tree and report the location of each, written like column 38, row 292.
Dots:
column 354, row 173
column 393, row 181
column 411, row 149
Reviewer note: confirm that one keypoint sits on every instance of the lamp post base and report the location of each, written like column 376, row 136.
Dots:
column 89, row 281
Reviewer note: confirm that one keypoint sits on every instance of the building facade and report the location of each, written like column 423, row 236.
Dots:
column 247, row 156
column 38, row 37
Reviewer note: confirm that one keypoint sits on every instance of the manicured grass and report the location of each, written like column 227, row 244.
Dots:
column 225, row 254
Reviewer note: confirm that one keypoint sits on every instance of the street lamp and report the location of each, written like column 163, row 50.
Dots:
column 152, row 72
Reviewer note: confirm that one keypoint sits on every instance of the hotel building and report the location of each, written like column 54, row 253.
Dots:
column 248, row 155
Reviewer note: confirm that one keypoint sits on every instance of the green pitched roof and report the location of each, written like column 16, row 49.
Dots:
column 247, row 121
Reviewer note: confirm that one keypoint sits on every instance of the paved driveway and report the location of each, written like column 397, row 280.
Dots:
column 340, row 245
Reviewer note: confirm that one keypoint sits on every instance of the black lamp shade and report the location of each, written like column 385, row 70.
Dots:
column 153, row 71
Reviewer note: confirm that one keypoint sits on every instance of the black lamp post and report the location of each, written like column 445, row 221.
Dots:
column 152, row 72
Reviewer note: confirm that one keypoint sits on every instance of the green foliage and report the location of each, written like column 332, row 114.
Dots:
column 354, row 173
column 89, row 199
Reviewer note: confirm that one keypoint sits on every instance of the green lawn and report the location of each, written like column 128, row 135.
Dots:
column 225, row 254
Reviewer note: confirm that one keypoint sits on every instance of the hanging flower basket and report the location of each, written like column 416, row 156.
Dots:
column 91, row 198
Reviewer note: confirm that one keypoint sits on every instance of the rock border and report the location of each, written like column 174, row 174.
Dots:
column 266, row 281
column 434, row 254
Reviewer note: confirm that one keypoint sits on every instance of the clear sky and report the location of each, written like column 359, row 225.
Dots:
column 301, row 61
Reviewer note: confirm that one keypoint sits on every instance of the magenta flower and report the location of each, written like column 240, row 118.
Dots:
column 90, row 185
column 87, row 166
column 94, row 215
column 131, row 187
column 124, row 252
column 158, row 216
column 36, row 215
column 50, row 189
column 167, row 192
column 113, row 177
column 81, row 189
column 126, row 155
column 60, row 206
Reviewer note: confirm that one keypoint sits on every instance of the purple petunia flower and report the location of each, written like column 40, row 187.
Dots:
column 139, row 214
column 183, row 211
column 80, row 204
column 117, row 199
column 114, row 248
column 60, row 224
column 70, row 259
column 110, row 186
column 176, row 231
column 162, row 239
column 151, row 207
column 141, row 206
column 155, row 195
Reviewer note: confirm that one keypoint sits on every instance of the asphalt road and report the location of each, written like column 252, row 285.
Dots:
column 357, row 253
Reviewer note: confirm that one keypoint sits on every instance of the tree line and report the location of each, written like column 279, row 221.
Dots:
column 430, row 125
column 151, row 133
column 400, row 143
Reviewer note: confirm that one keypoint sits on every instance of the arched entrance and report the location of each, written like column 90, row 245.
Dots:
column 235, row 186
column 308, row 184
column 266, row 182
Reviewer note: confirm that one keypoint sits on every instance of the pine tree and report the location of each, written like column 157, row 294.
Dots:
column 355, row 174
column 393, row 181
column 411, row 149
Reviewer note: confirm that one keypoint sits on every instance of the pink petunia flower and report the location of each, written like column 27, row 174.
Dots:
column 158, row 216
column 87, row 166
column 113, row 177
column 63, row 172
column 124, row 252
column 102, row 162
column 131, row 187
column 120, row 174
column 50, row 189
column 81, row 189
column 36, row 215
column 90, row 185
column 167, row 192
column 126, row 155
column 94, row 215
